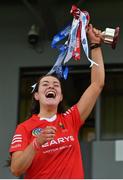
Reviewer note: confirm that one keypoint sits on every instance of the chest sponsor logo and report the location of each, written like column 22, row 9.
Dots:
column 61, row 143
column 61, row 140
column 36, row 131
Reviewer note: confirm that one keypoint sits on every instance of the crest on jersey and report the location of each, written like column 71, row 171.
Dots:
column 36, row 131
column 61, row 125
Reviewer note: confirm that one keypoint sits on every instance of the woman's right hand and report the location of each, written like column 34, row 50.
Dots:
column 47, row 134
column 94, row 34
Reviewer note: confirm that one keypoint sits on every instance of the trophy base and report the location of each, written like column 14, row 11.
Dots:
column 115, row 39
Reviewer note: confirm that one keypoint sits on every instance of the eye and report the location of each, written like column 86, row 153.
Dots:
column 56, row 85
column 44, row 84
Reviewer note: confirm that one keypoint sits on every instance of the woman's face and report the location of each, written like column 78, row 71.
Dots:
column 49, row 91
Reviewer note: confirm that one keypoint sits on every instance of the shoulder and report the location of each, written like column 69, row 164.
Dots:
column 72, row 118
column 70, row 113
column 70, row 110
column 28, row 123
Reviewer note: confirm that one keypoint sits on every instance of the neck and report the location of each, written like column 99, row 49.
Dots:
column 47, row 112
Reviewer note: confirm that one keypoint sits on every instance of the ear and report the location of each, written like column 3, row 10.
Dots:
column 36, row 96
column 61, row 97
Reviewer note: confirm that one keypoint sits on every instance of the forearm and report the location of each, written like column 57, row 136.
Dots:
column 97, row 72
column 22, row 160
column 89, row 97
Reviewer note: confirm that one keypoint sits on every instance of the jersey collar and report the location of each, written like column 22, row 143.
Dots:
column 51, row 119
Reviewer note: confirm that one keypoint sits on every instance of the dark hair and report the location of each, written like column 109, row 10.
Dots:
column 35, row 107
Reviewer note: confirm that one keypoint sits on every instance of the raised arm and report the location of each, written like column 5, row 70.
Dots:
column 89, row 97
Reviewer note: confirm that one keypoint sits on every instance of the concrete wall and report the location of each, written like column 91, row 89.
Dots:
column 15, row 52
column 104, row 164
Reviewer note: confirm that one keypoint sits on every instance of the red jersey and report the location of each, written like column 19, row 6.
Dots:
column 59, row 158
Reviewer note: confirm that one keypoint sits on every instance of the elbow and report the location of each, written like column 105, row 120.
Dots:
column 15, row 171
column 99, row 87
column 100, row 84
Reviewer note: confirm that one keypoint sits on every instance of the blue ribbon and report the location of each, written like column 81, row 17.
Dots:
column 61, row 35
column 58, row 68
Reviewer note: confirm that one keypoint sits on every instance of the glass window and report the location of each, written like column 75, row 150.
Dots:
column 112, row 105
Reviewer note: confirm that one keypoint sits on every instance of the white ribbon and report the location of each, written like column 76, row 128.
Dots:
column 33, row 87
column 84, row 37
column 72, row 43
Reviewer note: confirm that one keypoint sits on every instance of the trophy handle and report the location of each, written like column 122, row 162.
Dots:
column 116, row 37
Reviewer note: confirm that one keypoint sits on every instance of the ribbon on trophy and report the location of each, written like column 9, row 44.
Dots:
column 76, row 33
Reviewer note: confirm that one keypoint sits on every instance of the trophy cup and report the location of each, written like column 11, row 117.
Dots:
column 110, row 36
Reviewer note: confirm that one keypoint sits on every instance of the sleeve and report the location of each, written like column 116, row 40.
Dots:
column 73, row 117
column 20, row 139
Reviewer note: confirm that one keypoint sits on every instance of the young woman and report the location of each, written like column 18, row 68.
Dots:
column 46, row 145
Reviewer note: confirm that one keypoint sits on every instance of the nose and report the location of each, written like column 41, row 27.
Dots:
column 51, row 85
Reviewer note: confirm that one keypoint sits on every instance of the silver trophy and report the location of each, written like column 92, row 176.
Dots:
column 110, row 36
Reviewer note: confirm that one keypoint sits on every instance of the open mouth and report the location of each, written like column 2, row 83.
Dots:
column 50, row 94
